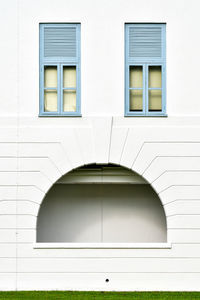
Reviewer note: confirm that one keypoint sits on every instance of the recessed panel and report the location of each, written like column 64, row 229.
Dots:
column 132, row 214
column 107, row 213
column 70, row 213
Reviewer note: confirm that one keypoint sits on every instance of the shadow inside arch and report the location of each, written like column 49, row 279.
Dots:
column 104, row 203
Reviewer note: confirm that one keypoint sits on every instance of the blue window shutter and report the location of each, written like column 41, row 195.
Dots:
column 145, row 42
column 60, row 46
column 145, row 45
column 60, row 42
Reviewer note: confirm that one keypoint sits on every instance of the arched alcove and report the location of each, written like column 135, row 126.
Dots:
column 101, row 204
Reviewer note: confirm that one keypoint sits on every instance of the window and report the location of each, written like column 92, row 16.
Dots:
column 145, row 61
column 59, row 69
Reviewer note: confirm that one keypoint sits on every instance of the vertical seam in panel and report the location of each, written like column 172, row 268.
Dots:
column 101, row 201
column 17, row 178
column 101, row 218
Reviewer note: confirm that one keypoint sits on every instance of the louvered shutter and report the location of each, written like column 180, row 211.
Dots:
column 145, row 42
column 59, row 42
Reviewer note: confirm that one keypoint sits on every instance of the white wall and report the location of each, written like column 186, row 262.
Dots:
column 35, row 152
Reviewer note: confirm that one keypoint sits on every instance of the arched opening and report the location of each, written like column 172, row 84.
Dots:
column 101, row 204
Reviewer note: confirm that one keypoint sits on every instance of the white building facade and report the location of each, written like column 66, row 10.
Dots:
column 160, row 153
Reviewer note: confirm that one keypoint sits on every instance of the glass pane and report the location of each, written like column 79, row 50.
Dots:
column 155, row 100
column 50, row 76
column 69, row 100
column 155, row 77
column 50, row 100
column 136, row 76
column 136, row 100
column 69, row 77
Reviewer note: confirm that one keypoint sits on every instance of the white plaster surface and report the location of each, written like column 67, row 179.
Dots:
column 35, row 152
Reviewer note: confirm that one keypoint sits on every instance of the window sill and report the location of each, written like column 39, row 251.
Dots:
column 102, row 246
column 148, row 116
column 59, row 116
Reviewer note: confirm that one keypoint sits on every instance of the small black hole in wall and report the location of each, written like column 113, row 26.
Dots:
column 107, row 280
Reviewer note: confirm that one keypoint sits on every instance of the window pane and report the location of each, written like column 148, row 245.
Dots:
column 50, row 76
column 69, row 77
column 155, row 78
column 155, row 100
column 69, row 100
column 136, row 100
column 50, row 100
column 136, row 77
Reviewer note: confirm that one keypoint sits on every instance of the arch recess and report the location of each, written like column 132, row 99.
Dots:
column 101, row 204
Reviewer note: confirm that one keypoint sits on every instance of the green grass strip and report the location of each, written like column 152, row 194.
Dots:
column 68, row 295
